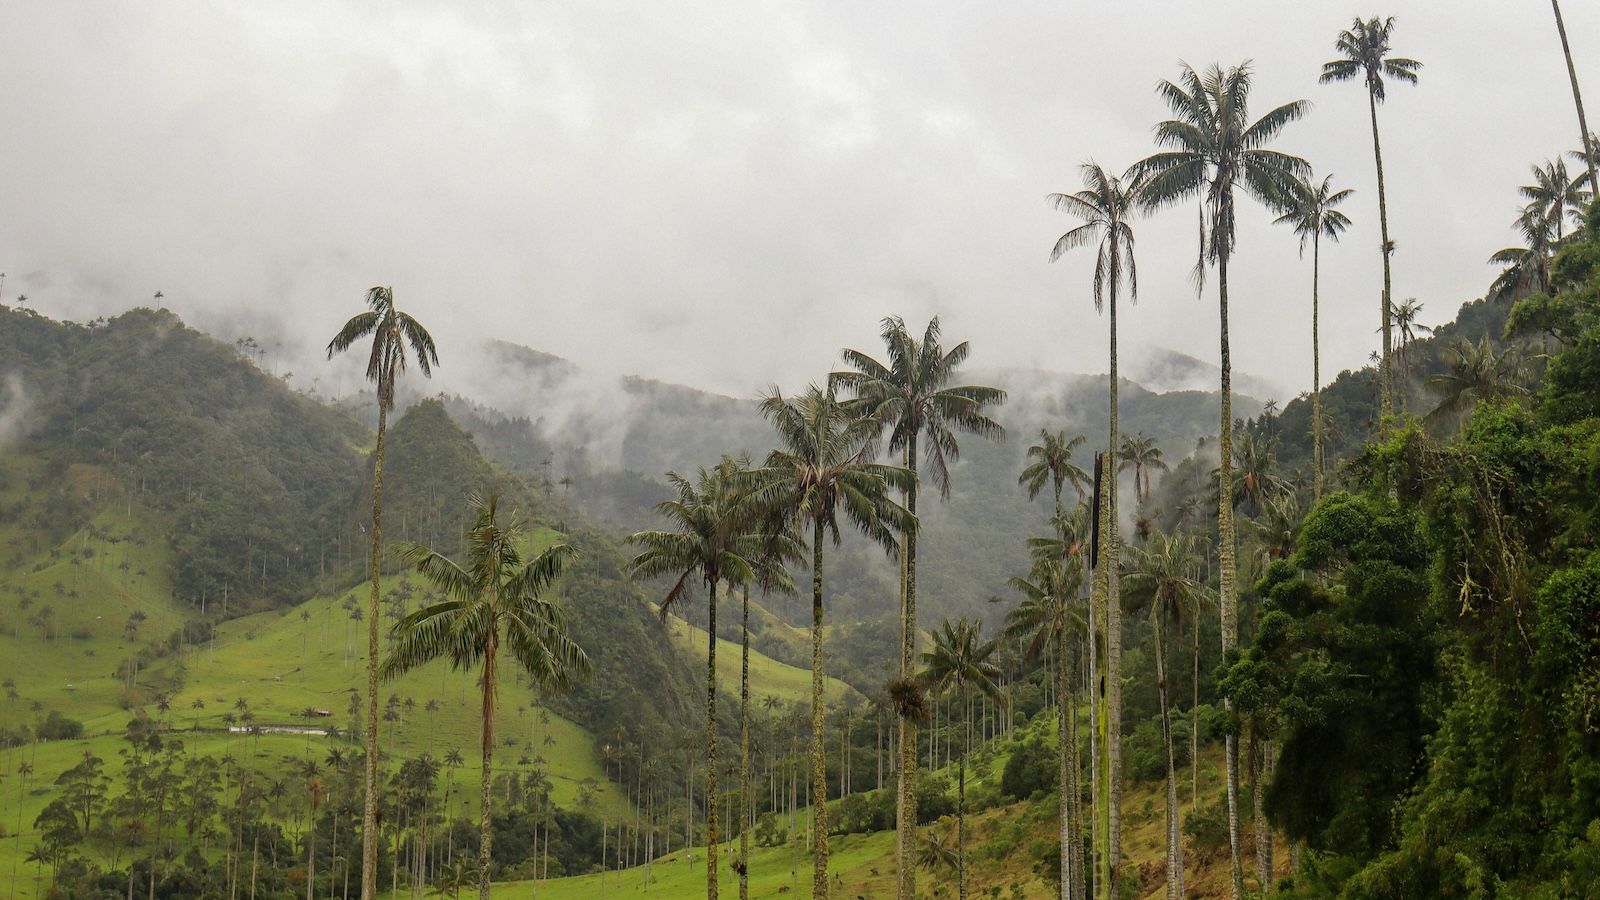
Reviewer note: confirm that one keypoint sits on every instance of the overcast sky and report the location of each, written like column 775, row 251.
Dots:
column 723, row 194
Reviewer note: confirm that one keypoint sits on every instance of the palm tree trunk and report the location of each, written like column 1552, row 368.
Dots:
column 1065, row 786
column 485, row 832
column 905, row 794
column 819, row 764
column 744, row 750
column 1194, row 725
column 311, row 863
column 1113, row 633
column 1385, row 365
column 369, row 804
column 1259, row 753
column 961, row 797
column 1096, row 764
column 1591, row 153
column 712, row 800
column 1174, row 846
column 1316, row 371
column 1228, row 563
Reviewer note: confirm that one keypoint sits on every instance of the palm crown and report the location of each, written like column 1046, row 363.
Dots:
column 1364, row 53
column 711, row 539
column 1213, row 148
column 391, row 330
column 911, row 395
column 958, row 659
column 825, row 466
column 496, row 597
column 1050, row 462
column 1105, row 205
column 1311, row 209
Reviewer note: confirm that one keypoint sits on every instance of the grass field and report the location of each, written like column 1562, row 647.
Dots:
column 768, row 677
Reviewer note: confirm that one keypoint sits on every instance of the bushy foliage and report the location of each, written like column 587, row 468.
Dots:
column 1030, row 768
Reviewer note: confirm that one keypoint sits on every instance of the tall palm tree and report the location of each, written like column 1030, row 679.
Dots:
column 1050, row 462
column 392, row 332
column 1106, row 204
column 1556, row 196
column 1473, row 373
column 1365, row 53
column 958, row 661
column 1313, row 213
column 825, row 468
column 1143, row 455
column 1591, row 149
column 1164, row 579
column 495, row 599
column 1047, row 619
column 1527, row 268
column 711, row 542
column 913, row 398
column 1213, row 149
column 771, row 547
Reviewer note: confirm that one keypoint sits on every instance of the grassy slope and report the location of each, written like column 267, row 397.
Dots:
column 1003, row 846
column 768, row 677
column 279, row 662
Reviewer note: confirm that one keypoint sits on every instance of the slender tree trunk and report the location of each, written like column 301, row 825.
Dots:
column 961, row 797
column 1113, row 633
column 1194, row 725
column 712, row 800
column 744, row 750
column 369, row 803
column 1066, row 785
column 819, row 763
column 1228, row 565
column 1316, row 370
column 1591, row 153
column 906, row 797
column 1174, row 843
column 485, row 831
column 1385, row 365
column 1097, row 845
column 311, row 864
column 1259, row 752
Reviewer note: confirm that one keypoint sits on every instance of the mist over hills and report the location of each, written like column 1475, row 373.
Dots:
column 269, row 484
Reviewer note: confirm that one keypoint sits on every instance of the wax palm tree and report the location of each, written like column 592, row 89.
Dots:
column 1556, row 196
column 1313, row 213
column 1364, row 52
column 1107, row 206
column 936, row 852
column 1143, row 455
column 392, row 331
column 1527, row 268
column 1164, row 580
column 1591, row 147
column 1050, row 462
column 1473, row 374
column 1581, row 156
column 1048, row 621
column 711, row 542
column 1214, row 149
column 823, row 469
column 911, row 396
column 1255, row 479
column 770, row 547
column 1406, row 324
column 958, row 662
column 496, row 599
column 1277, row 528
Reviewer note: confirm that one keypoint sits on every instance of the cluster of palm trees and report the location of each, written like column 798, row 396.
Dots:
column 740, row 524
column 736, row 526
column 1209, row 151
